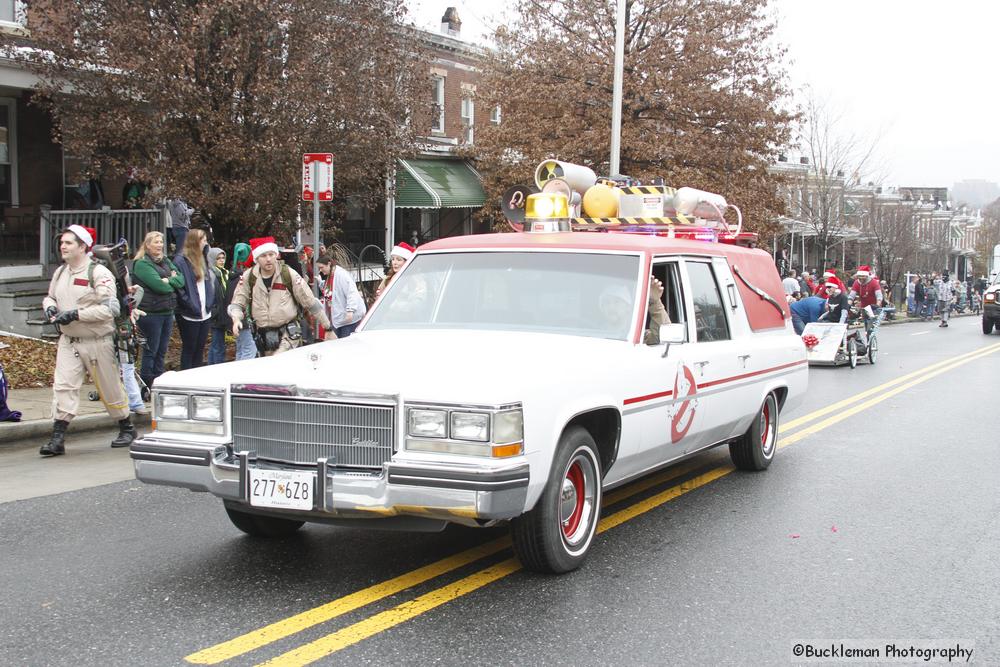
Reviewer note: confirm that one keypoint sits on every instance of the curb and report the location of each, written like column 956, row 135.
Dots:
column 14, row 433
column 907, row 320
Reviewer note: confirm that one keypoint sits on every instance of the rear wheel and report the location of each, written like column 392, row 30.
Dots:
column 755, row 449
column 556, row 534
column 852, row 353
column 987, row 325
column 262, row 526
column 872, row 349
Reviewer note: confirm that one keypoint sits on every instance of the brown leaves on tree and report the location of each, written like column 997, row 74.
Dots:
column 216, row 100
column 704, row 96
column 27, row 363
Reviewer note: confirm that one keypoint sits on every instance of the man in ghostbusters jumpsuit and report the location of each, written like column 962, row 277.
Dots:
column 83, row 302
column 263, row 294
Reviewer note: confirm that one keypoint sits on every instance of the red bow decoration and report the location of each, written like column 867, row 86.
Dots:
column 810, row 340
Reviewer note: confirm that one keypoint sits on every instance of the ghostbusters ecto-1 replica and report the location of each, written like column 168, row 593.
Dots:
column 626, row 327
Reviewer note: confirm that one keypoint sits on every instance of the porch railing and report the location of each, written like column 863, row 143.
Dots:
column 111, row 225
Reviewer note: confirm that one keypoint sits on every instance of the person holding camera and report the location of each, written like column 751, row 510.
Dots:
column 269, row 297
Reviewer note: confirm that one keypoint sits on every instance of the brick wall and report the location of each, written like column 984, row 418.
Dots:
column 458, row 80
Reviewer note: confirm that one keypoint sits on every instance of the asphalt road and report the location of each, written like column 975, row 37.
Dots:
column 877, row 522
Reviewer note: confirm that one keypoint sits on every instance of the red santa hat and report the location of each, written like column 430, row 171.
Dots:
column 863, row 271
column 829, row 273
column 261, row 245
column 404, row 250
column 86, row 234
column 834, row 282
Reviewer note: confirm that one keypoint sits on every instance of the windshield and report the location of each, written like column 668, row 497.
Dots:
column 568, row 293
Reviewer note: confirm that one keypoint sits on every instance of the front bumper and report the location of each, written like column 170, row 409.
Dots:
column 462, row 493
column 991, row 310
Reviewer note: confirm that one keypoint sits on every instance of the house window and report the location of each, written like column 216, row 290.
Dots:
column 495, row 115
column 8, row 152
column 12, row 12
column 468, row 118
column 437, row 109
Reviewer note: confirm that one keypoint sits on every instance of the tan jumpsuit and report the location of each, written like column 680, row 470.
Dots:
column 86, row 345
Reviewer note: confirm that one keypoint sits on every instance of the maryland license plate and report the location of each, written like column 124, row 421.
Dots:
column 282, row 489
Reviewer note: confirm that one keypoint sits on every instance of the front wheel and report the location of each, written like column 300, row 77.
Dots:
column 755, row 449
column 872, row 349
column 262, row 526
column 852, row 353
column 556, row 534
column 987, row 325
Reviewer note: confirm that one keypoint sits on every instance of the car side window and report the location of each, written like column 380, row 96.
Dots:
column 709, row 313
column 673, row 298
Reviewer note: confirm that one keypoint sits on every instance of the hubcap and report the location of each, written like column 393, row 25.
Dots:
column 578, row 500
column 766, row 428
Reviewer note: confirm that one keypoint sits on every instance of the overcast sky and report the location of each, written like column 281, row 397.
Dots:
column 918, row 74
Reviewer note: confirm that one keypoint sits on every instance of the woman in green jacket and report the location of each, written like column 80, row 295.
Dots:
column 160, row 280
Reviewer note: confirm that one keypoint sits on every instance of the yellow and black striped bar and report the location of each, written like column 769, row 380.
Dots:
column 678, row 219
column 648, row 190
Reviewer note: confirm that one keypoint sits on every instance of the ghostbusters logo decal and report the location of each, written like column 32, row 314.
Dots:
column 683, row 415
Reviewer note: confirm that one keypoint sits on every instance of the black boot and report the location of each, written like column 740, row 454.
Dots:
column 126, row 433
column 55, row 446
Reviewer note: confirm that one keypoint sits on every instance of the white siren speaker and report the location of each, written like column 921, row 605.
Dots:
column 578, row 177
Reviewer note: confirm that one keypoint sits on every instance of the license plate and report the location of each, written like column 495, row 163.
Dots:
column 283, row 489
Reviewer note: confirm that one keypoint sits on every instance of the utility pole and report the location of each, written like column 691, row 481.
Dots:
column 616, row 104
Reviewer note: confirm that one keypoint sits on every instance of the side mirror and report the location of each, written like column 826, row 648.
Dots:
column 671, row 333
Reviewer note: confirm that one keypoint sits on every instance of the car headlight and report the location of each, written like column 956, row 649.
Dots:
column 206, row 408
column 470, row 426
column 172, row 406
column 428, row 423
column 992, row 296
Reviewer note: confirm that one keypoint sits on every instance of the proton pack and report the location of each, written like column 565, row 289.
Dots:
column 126, row 336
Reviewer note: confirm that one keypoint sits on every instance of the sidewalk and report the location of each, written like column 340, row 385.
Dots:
column 36, row 414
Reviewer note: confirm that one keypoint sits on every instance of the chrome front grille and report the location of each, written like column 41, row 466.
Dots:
column 296, row 430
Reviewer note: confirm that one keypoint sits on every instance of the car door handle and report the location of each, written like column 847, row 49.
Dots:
column 701, row 366
column 744, row 358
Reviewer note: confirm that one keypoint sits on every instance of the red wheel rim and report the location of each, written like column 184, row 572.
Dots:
column 765, row 431
column 575, row 476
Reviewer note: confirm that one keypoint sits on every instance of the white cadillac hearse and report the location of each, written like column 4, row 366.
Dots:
column 501, row 377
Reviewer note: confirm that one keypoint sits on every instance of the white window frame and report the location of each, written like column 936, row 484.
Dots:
column 469, row 117
column 495, row 115
column 11, row 104
column 19, row 21
column 437, row 124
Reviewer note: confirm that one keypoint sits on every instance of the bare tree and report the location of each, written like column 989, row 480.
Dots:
column 216, row 100
column 892, row 232
column 838, row 159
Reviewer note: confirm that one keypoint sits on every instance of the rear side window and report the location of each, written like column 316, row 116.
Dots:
column 709, row 313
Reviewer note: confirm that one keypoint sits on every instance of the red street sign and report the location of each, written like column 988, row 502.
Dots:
column 324, row 183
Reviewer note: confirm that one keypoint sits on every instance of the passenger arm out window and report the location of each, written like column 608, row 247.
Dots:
column 672, row 300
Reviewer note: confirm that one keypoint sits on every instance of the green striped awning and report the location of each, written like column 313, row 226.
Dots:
column 430, row 183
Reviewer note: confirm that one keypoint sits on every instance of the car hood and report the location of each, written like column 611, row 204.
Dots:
column 482, row 367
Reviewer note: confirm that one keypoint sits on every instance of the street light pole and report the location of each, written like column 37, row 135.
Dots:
column 616, row 104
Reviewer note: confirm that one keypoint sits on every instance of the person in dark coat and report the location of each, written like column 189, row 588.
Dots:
column 196, row 300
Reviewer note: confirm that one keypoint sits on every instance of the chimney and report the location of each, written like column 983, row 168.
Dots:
column 803, row 160
column 782, row 158
column 451, row 25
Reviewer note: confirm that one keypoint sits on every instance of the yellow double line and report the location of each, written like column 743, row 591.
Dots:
column 372, row 625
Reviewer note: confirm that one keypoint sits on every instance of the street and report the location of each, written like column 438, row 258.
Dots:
column 877, row 521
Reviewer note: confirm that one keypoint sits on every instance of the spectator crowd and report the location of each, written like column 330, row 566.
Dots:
column 828, row 298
